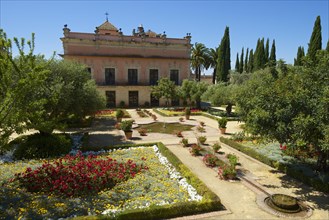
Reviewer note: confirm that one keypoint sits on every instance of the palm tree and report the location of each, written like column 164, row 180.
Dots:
column 199, row 57
column 212, row 61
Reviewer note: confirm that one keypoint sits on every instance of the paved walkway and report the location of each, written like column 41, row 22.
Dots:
column 238, row 198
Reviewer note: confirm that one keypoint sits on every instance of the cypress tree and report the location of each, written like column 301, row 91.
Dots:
column 300, row 55
column 224, row 58
column 259, row 56
column 246, row 61
column 241, row 61
column 327, row 49
column 251, row 61
column 237, row 63
column 267, row 51
column 272, row 59
column 315, row 41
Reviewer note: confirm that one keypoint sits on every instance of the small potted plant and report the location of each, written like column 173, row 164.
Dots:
column 126, row 126
column 227, row 172
column 178, row 133
column 184, row 142
column 222, row 122
column 119, row 114
column 202, row 139
column 142, row 132
column 181, row 119
column 195, row 150
column 216, row 147
column 233, row 159
column 154, row 117
column 202, row 123
column 210, row 160
column 187, row 113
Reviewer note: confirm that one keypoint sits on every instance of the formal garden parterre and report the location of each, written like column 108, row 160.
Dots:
column 141, row 179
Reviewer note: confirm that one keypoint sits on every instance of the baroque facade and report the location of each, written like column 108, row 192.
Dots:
column 126, row 66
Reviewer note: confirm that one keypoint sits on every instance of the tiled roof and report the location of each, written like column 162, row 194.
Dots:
column 107, row 26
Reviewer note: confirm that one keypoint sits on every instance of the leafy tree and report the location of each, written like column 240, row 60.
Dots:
column 68, row 92
column 165, row 89
column 224, row 58
column 298, row 113
column 272, row 58
column 20, row 79
column 192, row 90
column 237, row 63
column 199, row 59
column 241, row 61
column 315, row 43
column 221, row 94
column 246, row 61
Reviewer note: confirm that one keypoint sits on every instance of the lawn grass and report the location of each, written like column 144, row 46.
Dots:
column 166, row 128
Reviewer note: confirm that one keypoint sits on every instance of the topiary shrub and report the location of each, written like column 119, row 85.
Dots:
column 43, row 146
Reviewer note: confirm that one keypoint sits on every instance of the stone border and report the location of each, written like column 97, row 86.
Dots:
column 260, row 200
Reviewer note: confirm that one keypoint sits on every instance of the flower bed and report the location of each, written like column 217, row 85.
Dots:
column 272, row 155
column 176, row 111
column 160, row 191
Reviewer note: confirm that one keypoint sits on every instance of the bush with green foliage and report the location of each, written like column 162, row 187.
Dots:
column 233, row 159
column 202, row 139
column 126, row 125
column 222, row 122
column 216, row 147
column 43, row 146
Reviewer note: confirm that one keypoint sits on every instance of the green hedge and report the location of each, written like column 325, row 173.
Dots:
column 210, row 201
column 175, row 114
column 286, row 168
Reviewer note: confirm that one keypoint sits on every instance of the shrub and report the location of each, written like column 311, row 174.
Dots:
column 77, row 175
column 188, row 111
column 210, row 160
column 226, row 172
column 184, row 141
column 126, row 125
column 240, row 136
column 181, row 119
column 202, row 123
column 122, row 104
column 195, row 150
column 147, row 104
column 216, row 147
column 233, row 159
column 119, row 113
column 200, row 129
column 222, row 122
column 202, row 139
column 43, row 146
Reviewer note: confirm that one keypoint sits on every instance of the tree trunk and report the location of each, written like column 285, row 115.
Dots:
column 214, row 76
column 321, row 164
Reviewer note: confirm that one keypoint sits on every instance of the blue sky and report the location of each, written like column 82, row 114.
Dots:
column 290, row 23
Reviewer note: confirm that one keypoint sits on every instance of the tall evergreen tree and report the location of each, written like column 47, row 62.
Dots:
column 300, row 55
column 315, row 41
column 259, row 56
column 251, row 61
column 241, row 61
column 267, row 51
column 327, row 48
column 224, row 58
column 272, row 58
column 246, row 61
column 237, row 63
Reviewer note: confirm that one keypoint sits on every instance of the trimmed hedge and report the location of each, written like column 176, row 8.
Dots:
column 210, row 201
column 286, row 168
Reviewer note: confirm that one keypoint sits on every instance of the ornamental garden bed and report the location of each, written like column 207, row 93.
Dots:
column 147, row 182
column 111, row 113
column 272, row 155
column 176, row 111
